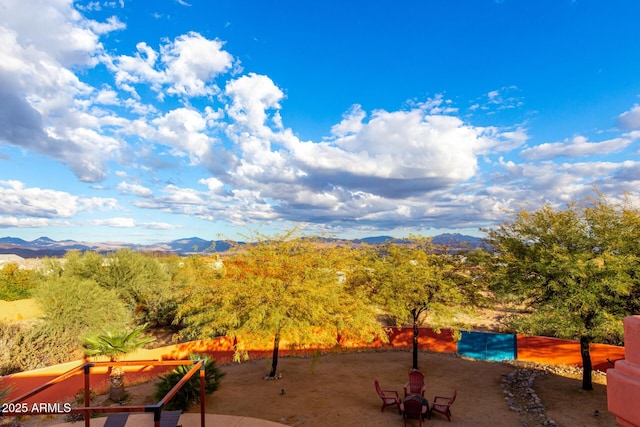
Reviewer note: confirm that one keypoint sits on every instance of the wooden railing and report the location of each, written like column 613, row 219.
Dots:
column 16, row 407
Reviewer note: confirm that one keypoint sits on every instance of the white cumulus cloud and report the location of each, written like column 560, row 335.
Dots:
column 630, row 119
column 42, row 100
column 187, row 66
column 184, row 130
column 252, row 96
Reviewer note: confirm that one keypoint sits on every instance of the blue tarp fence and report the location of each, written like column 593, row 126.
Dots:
column 488, row 346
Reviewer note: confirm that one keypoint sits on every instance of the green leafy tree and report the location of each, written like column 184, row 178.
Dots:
column 575, row 267
column 115, row 344
column 141, row 281
column 412, row 281
column 82, row 265
column 143, row 284
column 471, row 270
column 189, row 394
column 15, row 282
column 79, row 305
column 188, row 276
column 283, row 288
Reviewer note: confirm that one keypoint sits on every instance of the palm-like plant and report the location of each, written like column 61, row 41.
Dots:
column 115, row 344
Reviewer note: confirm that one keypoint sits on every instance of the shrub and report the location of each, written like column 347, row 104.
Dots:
column 189, row 394
column 80, row 305
column 33, row 345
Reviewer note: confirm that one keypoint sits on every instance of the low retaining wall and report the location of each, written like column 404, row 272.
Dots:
column 555, row 351
column 544, row 350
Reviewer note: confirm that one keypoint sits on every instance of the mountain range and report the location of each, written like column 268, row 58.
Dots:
column 44, row 246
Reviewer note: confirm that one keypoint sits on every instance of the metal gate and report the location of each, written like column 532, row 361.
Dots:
column 487, row 346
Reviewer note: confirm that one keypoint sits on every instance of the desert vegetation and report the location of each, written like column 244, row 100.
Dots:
column 115, row 344
column 570, row 273
column 189, row 394
column 575, row 268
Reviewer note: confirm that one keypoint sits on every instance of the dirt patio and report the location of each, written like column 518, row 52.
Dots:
column 338, row 390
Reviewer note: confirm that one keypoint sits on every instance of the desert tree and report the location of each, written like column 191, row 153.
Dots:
column 285, row 288
column 412, row 281
column 575, row 267
column 16, row 282
column 141, row 281
column 143, row 284
column 82, row 265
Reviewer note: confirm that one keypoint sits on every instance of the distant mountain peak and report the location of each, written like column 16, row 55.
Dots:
column 45, row 246
column 12, row 240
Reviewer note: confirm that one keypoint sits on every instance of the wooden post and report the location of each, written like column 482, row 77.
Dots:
column 202, row 403
column 87, row 394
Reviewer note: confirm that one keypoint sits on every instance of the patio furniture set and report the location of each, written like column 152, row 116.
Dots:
column 414, row 405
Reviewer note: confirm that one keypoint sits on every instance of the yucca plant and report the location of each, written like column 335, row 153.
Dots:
column 4, row 392
column 115, row 344
column 189, row 394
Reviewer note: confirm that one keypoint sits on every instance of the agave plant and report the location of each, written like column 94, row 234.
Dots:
column 115, row 344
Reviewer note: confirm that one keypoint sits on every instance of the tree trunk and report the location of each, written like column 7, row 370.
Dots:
column 116, row 389
column 416, row 331
column 116, row 384
column 274, row 357
column 587, row 367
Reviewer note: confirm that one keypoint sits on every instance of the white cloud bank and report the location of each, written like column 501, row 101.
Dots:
column 40, row 95
column 421, row 166
column 579, row 146
column 22, row 206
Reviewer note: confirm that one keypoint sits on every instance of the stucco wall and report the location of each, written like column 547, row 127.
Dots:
column 623, row 382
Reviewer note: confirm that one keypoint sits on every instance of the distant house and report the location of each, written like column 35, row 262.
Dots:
column 7, row 258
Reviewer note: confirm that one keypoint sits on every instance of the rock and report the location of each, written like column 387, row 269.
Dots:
column 522, row 398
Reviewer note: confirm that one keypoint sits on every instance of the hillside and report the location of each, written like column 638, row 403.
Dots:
column 46, row 247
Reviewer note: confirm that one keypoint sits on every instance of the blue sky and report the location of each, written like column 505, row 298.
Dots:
column 145, row 121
